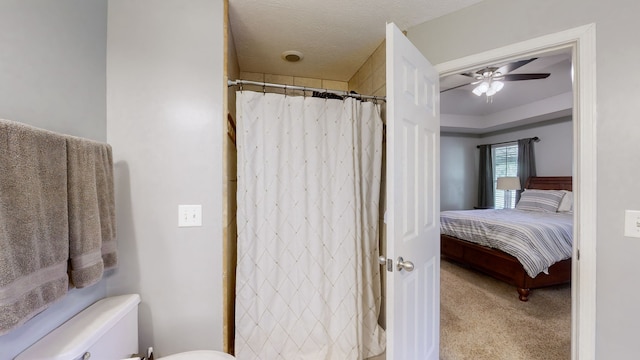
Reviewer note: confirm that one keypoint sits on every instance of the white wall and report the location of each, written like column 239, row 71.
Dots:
column 456, row 35
column 554, row 151
column 164, row 120
column 458, row 171
column 53, row 75
column 52, row 65
column 459, row 166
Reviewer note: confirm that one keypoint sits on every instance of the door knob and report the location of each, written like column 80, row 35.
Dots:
column 406, row 265
column 382, row 260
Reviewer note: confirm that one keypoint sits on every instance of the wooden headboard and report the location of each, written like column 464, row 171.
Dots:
column 549, row 183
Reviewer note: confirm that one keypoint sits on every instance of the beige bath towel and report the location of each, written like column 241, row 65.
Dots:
column 34, row 237
column 92, row 232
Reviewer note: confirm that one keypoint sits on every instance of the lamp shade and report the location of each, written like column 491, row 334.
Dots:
column 508, row 183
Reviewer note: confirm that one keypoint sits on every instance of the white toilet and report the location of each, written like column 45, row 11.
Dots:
column 106, row 330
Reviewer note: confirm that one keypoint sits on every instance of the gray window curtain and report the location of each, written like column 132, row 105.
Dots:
column 485, row 183
column 526, row 162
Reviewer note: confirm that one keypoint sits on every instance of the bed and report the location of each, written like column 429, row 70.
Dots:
column 504, row 266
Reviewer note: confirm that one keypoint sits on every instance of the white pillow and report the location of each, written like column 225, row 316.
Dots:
column 566, row 205
column 540, row 200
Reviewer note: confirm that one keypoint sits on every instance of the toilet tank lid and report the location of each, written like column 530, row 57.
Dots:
column 72, row 338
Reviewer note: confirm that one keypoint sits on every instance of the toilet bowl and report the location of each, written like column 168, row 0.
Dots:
column 106, row 330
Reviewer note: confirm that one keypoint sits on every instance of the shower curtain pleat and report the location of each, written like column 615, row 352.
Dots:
column 308, row 282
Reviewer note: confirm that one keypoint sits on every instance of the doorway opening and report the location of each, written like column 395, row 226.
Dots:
column 581, row 43
column 537, row 107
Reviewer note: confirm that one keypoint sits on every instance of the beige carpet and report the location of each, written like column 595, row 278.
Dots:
column 482, row 318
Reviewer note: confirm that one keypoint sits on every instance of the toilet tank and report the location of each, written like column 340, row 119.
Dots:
column 106, row 330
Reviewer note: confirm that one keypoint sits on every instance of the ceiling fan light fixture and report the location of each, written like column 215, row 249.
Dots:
column 496, row 85
column 481, row 89
column 490, row 80
column 488, row 87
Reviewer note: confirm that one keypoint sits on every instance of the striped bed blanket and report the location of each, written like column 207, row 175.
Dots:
column 536, row 239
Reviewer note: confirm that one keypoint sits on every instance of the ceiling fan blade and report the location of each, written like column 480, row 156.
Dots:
column 514, row 65
column 517, row 77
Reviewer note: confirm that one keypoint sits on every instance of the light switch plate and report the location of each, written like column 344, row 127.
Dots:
column 189, row 215
column 632, row 223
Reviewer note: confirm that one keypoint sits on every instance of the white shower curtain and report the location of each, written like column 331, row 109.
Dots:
column 308, row 281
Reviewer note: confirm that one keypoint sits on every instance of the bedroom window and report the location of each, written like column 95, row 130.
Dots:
column 505, row 163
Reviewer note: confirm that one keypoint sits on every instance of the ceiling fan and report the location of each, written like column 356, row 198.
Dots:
column 490, row 79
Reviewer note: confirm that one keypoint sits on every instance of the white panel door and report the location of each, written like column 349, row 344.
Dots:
column 413, row 201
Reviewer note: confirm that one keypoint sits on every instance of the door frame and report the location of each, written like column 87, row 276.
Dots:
column 581, row 41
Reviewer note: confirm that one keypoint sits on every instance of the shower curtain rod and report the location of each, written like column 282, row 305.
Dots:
column 303, row 88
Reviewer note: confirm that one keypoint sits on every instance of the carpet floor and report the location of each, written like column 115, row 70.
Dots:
column 482, row 318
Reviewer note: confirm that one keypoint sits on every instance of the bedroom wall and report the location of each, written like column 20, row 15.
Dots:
column 165, row 91
column 459, row 158
column 458, row 171
column 554, row 151
column 456, row 35
column 53, row 76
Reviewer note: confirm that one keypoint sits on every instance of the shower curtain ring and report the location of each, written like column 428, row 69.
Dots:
column 264, row 88
column 285, row 91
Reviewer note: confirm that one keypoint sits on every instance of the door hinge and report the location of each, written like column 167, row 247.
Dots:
column 578, row 254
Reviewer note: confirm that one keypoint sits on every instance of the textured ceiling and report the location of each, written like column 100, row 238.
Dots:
column 335, row 36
